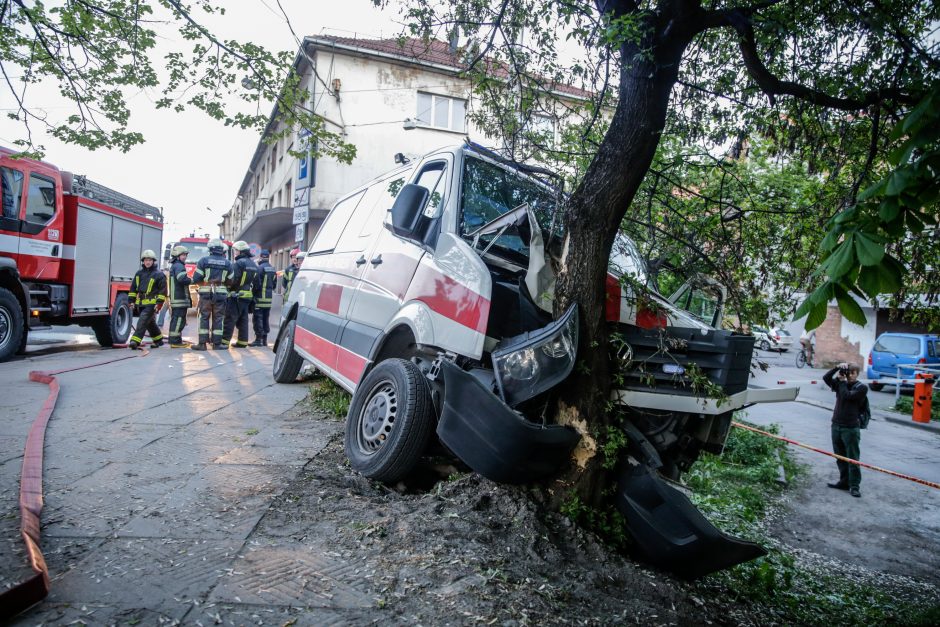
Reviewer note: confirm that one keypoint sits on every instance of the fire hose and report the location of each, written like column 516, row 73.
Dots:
column 29, row 592
column 929, row 484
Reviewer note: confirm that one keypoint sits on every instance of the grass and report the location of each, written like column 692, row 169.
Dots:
column 905, row 405
column 327, row 397
column 737, row 491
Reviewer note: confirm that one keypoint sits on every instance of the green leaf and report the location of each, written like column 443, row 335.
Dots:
column 831, row 240
column 874, row 190
column 817, row 316
column 869, row 252
column 842, row 259
column 890, row 274
column 889, row 210
column 804, row 308
column 869, row 279
column 898, row 182
column 851, row 309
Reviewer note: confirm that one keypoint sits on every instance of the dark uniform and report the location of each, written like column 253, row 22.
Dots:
column 240, row 299
column 180, row 301
column 148, row 289
column 212, row 274
column 846, row 433
column 263, row 290
column 287, row 279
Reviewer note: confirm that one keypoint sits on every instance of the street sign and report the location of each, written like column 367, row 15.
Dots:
column 301, row 215
column 254, row 248
column 299, row 232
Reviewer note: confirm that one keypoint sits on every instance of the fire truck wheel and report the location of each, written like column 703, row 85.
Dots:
column 287, row 362
column 116, row 328
column 12, row 327
column 390, row 420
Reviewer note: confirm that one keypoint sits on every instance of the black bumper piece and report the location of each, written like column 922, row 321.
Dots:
column 492, row 439
column 670, row 532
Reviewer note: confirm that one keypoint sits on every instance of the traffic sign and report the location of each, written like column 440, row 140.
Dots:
column 299, row 232
column 301, row 215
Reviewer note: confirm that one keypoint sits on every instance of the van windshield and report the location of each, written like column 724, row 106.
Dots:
column 488, row 192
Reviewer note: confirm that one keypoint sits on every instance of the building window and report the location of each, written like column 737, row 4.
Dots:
column 442, row 112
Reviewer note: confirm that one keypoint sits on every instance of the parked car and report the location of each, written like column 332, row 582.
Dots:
column 782, row 338
column 899, row 349
column 764, row 338
column 428, row 294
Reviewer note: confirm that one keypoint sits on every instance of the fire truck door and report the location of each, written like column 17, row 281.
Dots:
column 41, row 246
column 11, row 203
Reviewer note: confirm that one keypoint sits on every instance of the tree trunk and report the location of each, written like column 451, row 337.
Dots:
column 595, row 211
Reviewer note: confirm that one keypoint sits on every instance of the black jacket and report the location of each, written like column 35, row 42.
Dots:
column 263, row 287
column 148, row 287
column 243, row 276
column 179, row 284
column 849, row 399
column 287, row 279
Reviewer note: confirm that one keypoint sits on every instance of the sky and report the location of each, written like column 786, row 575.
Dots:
column 190, row 165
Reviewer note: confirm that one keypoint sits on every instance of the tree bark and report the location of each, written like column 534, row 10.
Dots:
column 649, row 70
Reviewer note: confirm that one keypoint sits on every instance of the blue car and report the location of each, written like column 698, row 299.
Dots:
column 899, row 349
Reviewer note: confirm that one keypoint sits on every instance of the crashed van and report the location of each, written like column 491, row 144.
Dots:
column 428, row 295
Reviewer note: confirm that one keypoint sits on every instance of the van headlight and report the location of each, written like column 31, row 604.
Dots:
column 529, row 364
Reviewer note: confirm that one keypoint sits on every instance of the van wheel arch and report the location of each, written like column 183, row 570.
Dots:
column 291, row 315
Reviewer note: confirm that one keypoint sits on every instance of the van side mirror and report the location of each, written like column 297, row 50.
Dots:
column 406, row 212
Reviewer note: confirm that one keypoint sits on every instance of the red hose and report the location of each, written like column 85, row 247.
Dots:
column 33, row 590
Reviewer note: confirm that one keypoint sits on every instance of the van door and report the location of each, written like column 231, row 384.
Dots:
column 41, row 221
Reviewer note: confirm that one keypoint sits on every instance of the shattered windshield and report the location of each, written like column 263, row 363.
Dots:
column 490, row 191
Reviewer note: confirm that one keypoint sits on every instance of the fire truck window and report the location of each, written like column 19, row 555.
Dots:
column 40, row 202
column 11, row 191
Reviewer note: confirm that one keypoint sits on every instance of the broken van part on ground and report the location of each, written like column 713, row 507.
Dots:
column 428, row 294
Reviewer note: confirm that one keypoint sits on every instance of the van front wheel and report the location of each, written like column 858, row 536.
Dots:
column 287, row 362
column 389, row 422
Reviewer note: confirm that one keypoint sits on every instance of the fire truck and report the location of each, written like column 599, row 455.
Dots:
column 69, row 249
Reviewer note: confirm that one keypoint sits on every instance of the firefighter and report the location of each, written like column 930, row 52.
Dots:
column 287, row 279
column 180, row 301
column 263, row 291
column 148, row 294
column 240, row 296
column 212, row 275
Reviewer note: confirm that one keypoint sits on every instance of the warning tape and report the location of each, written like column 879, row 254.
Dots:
column 929, row 484
column 33, row 590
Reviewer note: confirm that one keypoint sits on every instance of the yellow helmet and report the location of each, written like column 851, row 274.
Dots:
column 148, row 254
column 240, row 246
column 178, row 250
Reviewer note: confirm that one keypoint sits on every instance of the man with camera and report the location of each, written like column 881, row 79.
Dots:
column 846, row 424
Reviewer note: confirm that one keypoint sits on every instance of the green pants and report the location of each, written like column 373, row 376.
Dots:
column 845, row 441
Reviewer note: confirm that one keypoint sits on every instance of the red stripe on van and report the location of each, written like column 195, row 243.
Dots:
column 344, row 361
column 449, row 298
column 330, row 297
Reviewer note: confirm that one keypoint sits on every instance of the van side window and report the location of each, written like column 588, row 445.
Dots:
column 334, row 224
column 40, row 201
column 432, row 179
column 931, row 349
column 11, row 191
column 366, row 221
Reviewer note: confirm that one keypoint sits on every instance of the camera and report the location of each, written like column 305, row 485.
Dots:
column 843, row 372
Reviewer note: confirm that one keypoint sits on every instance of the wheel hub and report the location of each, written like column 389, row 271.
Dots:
column 4, row 326
column 377, row 418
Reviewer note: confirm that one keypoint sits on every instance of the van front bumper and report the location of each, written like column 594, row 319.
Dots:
column 494, row 440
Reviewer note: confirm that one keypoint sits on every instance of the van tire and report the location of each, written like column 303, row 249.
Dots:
column 877, row 387
column 287, row 363
column 12, row 324
column 389, row 422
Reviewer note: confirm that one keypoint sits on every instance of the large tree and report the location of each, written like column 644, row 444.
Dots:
column 810, row 78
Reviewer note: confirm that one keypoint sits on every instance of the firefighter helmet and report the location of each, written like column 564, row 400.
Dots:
column 216, row 246
column 301, row 256
column 265, row 254
column 179, row 250
column 240, row 246
column 148, row 254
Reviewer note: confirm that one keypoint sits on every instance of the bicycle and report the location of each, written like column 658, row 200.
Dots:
column 801, row 359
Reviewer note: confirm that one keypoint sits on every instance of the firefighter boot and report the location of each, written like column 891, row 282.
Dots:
column 133, row 345
column 258, row 341
column 199, row 346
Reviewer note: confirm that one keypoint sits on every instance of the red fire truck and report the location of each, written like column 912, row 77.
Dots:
column 69, row 249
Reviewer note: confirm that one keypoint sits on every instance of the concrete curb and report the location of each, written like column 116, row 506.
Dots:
column 903, row 419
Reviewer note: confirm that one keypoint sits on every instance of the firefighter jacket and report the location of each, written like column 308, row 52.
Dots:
column 148, row 287
column 287, row 279
column 212, row 274
column 179, row 285
column 243, row 276
column 263, row 287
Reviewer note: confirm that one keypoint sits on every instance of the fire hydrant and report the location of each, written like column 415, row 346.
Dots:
column 923, row 397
